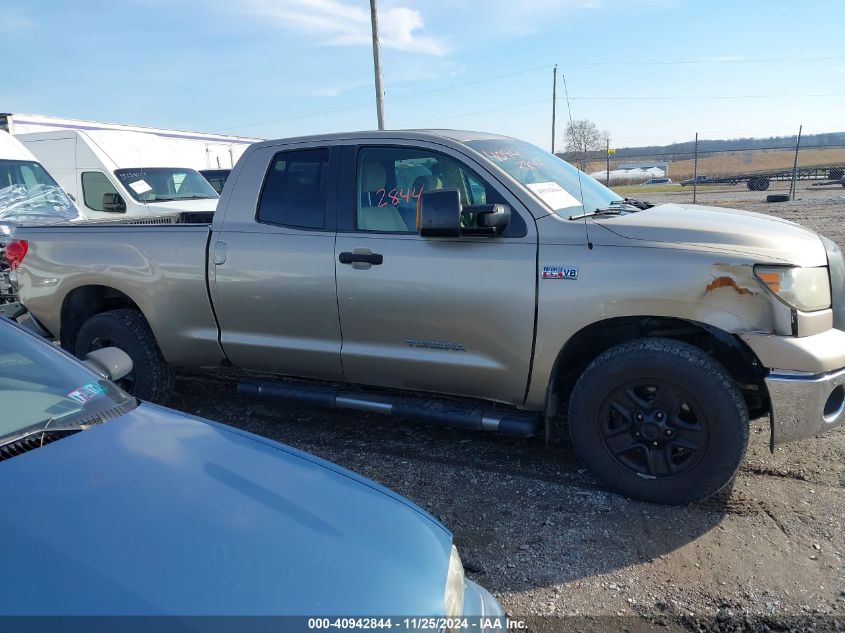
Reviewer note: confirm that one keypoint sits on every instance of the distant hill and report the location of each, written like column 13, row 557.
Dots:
column 685, row 151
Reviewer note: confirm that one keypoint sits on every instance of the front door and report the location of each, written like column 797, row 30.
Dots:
column 448, row 315
column 273, row 272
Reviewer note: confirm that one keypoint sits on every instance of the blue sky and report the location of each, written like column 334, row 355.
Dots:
column 277, row 68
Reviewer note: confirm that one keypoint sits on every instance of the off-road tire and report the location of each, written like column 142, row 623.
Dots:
column 128, row 330
column 696, row 374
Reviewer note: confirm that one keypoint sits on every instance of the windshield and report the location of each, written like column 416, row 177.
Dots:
column 41, row 384
column 160, row 184
column 29, row 194
column 554, row 181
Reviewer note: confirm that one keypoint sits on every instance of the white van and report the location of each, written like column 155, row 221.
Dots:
column 114, row 174
column 213, row 155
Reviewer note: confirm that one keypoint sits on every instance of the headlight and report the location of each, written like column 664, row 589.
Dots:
column 453, row 601
column 806, row 289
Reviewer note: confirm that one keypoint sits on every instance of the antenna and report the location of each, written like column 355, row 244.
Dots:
column 580, row 188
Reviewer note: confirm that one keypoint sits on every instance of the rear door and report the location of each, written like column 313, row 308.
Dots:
column 449, row 315
column 272, row 264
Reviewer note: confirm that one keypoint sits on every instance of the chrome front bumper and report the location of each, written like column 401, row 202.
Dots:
column 483, row 609
column 805, row 404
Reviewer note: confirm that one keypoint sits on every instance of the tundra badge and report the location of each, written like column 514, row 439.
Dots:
column 559, row 272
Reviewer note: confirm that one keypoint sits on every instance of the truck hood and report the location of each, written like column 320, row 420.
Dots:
column 763, row 236
column 158, row 513
column 175, row 206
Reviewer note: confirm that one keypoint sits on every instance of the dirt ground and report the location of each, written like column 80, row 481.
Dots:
column 535, row 528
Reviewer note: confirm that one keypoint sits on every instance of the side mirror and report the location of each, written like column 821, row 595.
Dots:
column 439, row 213
column 113, row 203
column 110, row 362
column 493, row 216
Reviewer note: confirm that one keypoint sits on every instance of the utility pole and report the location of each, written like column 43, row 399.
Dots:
column 795, row 164
column 695, row 170
column 377, row 65
column 554, row 105
column 607, row 157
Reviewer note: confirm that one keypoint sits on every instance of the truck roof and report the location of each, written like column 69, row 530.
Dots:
column 460, row 136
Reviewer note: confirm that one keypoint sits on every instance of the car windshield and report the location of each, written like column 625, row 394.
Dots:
column 559, row 185
column 161, row 184
column 29, row 194
column 41, row 385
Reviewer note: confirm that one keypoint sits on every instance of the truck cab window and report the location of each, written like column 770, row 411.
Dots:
column 94, row 185
column 391, row 180
column 294, row 192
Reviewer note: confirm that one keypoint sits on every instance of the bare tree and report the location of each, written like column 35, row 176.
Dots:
column 584, row 140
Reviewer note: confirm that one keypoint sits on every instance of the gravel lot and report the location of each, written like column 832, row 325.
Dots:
column 534, row 528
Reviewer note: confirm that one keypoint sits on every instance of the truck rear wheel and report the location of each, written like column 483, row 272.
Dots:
column 659, row 420
column 151, row 377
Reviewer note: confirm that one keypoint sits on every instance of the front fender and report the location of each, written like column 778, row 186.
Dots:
column 705, row 287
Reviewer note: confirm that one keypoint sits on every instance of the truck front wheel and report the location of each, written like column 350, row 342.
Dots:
column 659, row 420
column 151, row 377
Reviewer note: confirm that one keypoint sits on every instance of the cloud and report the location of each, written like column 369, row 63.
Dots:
column 338, row 23
column 529, row 17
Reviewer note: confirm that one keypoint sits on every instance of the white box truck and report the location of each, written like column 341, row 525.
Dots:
column 112, row 173
column 213, row 155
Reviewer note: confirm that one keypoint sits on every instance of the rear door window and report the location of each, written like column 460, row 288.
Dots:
column 294, row 192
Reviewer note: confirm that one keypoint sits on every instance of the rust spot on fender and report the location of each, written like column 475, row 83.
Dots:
column 726, row 282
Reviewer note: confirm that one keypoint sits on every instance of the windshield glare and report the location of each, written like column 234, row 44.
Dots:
column 39, row 383
column 551, row 179
column 152, row 184
column 28, row 193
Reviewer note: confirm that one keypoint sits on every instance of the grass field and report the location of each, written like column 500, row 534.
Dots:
column 745, row 162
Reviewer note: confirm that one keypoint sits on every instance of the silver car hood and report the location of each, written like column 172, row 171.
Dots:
column 722, row 229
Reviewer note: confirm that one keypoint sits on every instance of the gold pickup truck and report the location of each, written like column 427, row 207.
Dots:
column 474, row 280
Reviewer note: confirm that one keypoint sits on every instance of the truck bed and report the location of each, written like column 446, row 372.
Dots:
column 160, row 268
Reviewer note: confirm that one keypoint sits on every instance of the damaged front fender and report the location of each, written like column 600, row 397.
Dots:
column 738, row 302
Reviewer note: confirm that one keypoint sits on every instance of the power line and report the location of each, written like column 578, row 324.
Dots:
column 506, row 107
column 399, row 98
column 707, row 61
column 707, row 97
column 525, row 103
column 369, row 104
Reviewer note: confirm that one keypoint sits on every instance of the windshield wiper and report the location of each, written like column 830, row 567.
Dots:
column 615, row 207
column 589, row 214
column 51, row 425
column 157, row 199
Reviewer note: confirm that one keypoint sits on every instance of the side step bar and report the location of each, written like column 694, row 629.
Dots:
column 443, row 413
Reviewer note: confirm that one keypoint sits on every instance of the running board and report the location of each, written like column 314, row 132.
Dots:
column 439, row 412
